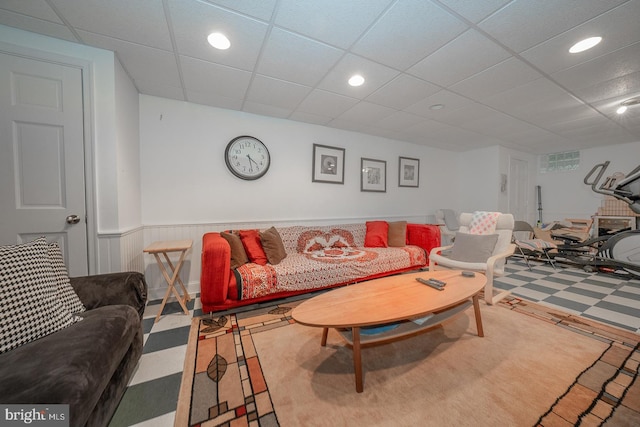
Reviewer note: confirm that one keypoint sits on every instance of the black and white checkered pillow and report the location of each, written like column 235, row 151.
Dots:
column 66, row 293
column 29, row 303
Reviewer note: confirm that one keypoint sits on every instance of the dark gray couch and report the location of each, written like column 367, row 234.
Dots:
column 89, row 364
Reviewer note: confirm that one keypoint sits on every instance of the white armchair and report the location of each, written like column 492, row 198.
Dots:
column 486, row 253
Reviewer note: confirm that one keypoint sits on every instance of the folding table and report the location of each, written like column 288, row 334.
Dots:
column 172, row 274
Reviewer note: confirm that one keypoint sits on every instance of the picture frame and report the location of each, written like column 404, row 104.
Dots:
column 328, row 164
column 408, row 172
column 373, row 175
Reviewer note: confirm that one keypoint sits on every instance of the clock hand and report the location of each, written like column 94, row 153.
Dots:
column 251, row 160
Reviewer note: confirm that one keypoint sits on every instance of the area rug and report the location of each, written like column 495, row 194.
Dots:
column 534, row 367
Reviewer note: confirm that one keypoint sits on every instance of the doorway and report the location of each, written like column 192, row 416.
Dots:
column 42, row 156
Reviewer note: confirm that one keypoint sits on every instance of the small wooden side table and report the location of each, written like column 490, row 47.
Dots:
column 164, row 248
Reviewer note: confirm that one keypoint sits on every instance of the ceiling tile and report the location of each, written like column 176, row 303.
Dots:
column 214, row 100
column 415, row 28
column 310, row 118
column 403, row 91
column 506, row 75
column 624, row 87
column 209, row 78
column 472, row 52
column 266, row 110
column 335, row 22
column 512, row 25
column 140, row 21
column 163, row 91
column 313, row 59
column 475, row 11
column 35, row 25
column 451, row 101
column 193, row 21
column 328, row 104
column 265, row 90
column 618, row 27
column 607, row 67
column 399, row 120
column 366, row 112
column 376, row 76
column 138, row 59
column 35, row 8
column 261, row 9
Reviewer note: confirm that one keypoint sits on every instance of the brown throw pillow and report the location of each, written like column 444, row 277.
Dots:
column 397, row 234
column 238, row 254
column 273, row 246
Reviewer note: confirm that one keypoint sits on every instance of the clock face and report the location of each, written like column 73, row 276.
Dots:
column 247, row 157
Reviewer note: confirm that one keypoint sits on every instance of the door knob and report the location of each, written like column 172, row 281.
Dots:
column 73, row 219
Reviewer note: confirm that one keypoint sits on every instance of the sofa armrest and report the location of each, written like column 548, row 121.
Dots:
column 127, row 288
column 215, row 270
column 426, row 236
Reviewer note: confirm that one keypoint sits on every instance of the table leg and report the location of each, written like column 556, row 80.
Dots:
column 357, row 358
column 171, row 282
column 476, row 310
column 178, row 267
column 325, row 332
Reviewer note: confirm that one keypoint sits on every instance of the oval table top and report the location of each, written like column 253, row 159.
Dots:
column 387, row 300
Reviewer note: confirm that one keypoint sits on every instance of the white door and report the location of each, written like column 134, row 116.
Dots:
column 519, row 189
column 42, row 183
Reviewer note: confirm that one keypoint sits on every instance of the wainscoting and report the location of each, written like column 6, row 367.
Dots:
column 125, row 251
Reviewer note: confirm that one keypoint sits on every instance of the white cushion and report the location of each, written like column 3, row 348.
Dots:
column 29, row 303
column 473, row 247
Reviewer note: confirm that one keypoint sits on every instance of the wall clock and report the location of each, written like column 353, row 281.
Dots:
column 247, row 157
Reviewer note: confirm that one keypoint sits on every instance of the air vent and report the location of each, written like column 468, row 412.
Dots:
column 631, row 101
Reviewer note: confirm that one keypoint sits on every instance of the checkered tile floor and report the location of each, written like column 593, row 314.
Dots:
column 152, row 395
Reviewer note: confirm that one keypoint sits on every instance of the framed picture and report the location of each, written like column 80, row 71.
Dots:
column 328, row 164
column 373, row 175
column 409, row 172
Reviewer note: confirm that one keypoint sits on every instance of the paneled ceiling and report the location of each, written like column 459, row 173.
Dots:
column 501, row 69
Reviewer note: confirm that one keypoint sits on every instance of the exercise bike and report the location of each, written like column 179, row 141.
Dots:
column 618, row 253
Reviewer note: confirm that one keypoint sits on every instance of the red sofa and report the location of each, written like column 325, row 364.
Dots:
column 316, row 258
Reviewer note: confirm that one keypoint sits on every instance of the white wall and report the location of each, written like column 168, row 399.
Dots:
column 127, row 151
column 564, row 194
column 185, row 179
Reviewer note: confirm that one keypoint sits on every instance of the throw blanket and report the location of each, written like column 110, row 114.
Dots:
column 324, row 257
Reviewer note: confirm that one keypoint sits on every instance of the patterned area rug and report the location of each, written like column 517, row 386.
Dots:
column 535, row 366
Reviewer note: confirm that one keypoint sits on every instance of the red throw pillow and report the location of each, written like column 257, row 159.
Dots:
column 377, row 232
column 252, row 246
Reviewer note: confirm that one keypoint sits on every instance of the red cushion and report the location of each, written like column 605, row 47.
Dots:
column 376, row 236
column 252, row 246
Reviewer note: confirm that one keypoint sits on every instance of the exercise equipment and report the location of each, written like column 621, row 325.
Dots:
column 618, row 253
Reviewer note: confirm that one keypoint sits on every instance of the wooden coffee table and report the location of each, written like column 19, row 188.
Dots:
column 388, row 300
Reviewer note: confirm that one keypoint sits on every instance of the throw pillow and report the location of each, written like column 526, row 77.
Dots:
column 397, row 235
column 483, row 222
column 473, row 247
column 252, row 245
column 376, row 236
column 238, row 254
column 66, row 293
column 273, row 246
column 29, row 304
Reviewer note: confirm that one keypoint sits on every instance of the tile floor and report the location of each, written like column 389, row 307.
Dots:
column 151, row 397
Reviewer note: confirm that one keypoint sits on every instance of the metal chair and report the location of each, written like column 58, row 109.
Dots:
column 531, row 245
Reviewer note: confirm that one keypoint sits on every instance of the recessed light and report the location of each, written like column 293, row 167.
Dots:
column 621, row 110
column 219, row 41
column 356, row 80
column 585, row 44
column 436, row 107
